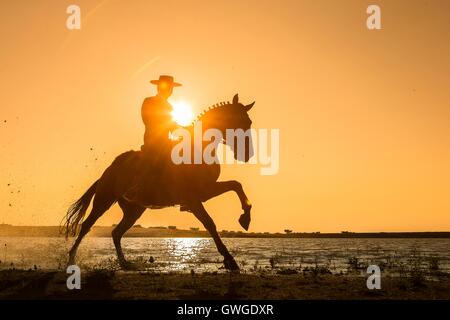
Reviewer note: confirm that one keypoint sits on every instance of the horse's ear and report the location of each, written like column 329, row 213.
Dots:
column 249, row 106
column 236, row 99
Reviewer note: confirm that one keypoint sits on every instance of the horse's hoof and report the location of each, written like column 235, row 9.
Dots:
column 230, row 264
column 244, row 220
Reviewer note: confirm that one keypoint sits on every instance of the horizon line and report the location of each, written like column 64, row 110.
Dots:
column 240, row 231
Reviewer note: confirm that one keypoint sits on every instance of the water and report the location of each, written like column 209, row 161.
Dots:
column 200, row 254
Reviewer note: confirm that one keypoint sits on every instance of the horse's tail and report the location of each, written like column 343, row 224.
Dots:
column 77, row 211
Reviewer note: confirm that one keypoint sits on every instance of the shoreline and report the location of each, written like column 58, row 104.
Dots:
column 173, row 232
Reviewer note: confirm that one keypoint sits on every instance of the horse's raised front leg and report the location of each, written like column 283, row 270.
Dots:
column 221, row 187
column 201, row 214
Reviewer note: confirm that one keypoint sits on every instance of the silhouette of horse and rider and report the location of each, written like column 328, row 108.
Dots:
column 143, row 179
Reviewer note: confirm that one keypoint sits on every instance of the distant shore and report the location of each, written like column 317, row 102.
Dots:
column 172, row 232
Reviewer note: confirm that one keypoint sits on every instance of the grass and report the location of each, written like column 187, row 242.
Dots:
column 107, row 284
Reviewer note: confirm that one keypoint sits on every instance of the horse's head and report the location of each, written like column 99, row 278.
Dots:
column 232, row 119
column 238, row 120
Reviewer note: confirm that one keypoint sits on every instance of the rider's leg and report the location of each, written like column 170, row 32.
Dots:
column 133, row 194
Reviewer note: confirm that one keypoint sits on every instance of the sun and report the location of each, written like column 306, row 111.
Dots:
column 182, row 113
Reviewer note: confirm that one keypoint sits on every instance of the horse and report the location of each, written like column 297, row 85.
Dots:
column 184, row 185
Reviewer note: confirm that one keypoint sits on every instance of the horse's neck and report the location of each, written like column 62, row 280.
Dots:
column 212, row 119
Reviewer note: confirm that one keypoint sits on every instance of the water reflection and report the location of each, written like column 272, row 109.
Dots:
column 200, row 254
column 185, row 250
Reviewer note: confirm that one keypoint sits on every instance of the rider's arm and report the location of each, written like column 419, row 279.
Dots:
column 146, row 111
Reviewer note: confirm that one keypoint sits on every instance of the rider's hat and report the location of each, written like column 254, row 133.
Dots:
column 168, row 80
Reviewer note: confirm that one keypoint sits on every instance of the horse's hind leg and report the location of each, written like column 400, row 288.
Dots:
column 131, row 213
column 100, row 205
column 202, row 215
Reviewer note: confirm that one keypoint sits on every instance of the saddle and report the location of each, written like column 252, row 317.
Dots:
column 158, row 182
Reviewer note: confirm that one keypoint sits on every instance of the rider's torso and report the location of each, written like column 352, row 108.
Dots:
column 156, row 115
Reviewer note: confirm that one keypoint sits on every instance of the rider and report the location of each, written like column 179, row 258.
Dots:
column 157, row 118
column 156, row 114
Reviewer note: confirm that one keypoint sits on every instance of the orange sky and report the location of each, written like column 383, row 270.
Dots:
column 364, row 116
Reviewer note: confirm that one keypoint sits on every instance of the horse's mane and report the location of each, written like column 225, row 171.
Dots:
column 221, row 106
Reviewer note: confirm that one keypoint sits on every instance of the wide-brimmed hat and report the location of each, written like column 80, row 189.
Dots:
column 167, row 80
